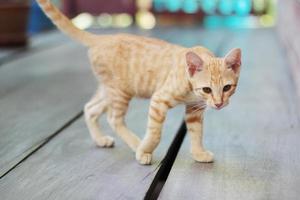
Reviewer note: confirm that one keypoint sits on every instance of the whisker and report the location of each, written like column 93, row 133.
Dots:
column 197, row 110
column 199, row 106
column 195, row 106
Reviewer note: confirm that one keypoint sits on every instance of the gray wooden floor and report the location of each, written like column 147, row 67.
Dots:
column 46, row 152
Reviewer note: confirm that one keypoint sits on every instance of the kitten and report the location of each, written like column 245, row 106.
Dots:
column 130, row 66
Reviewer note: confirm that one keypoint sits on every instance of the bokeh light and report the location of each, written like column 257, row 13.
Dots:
column 209, row 6
column 122, row 20
column 190, row 6
column 105, row 20
column 226, row 7
column 83, row 21
column 145, row 19
column 226, row 13
column 243, row 7
column 267, row 20
column 173, row 5
column 259, row 6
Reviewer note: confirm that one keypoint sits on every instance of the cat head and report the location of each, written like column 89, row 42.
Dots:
column 214, row 79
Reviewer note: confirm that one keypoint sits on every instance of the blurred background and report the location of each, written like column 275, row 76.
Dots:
column 26, row 18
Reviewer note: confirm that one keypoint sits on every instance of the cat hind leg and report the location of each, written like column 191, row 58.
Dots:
column 116, row 119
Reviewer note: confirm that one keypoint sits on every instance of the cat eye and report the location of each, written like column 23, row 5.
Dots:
column 226, row 88
column 206, row 90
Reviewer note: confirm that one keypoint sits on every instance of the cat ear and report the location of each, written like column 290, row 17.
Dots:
column 233, row 59
column 194, row 63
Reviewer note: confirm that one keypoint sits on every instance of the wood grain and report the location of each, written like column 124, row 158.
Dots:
column 255, row 139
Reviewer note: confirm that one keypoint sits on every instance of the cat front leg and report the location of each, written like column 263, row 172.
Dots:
column 92, row 111
column 194, row 122
column 156, row 117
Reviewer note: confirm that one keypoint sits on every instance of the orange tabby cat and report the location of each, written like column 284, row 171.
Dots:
column 130, row 66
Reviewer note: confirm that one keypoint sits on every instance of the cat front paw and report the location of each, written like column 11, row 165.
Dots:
column 203, row 156
column 105, row 141
column 143, row 158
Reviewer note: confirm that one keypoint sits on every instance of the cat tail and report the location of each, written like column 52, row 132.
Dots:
column 64, row 24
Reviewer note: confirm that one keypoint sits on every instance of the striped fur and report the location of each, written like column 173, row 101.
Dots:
column 130, row 66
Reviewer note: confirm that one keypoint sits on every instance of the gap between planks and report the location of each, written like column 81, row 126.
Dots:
column 46, row 140
column 165, row 166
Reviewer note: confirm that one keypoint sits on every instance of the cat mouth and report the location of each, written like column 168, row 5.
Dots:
column 219, row 107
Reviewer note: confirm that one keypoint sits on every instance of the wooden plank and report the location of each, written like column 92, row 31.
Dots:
column 38, row 94
column 4, row 52
column 37, row 42
column 70, row 167
column 288, row 29
column 255, row 139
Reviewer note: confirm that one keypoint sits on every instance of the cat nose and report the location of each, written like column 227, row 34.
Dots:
column 218, row 105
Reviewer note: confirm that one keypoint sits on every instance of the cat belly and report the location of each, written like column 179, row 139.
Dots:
column 144, row 92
